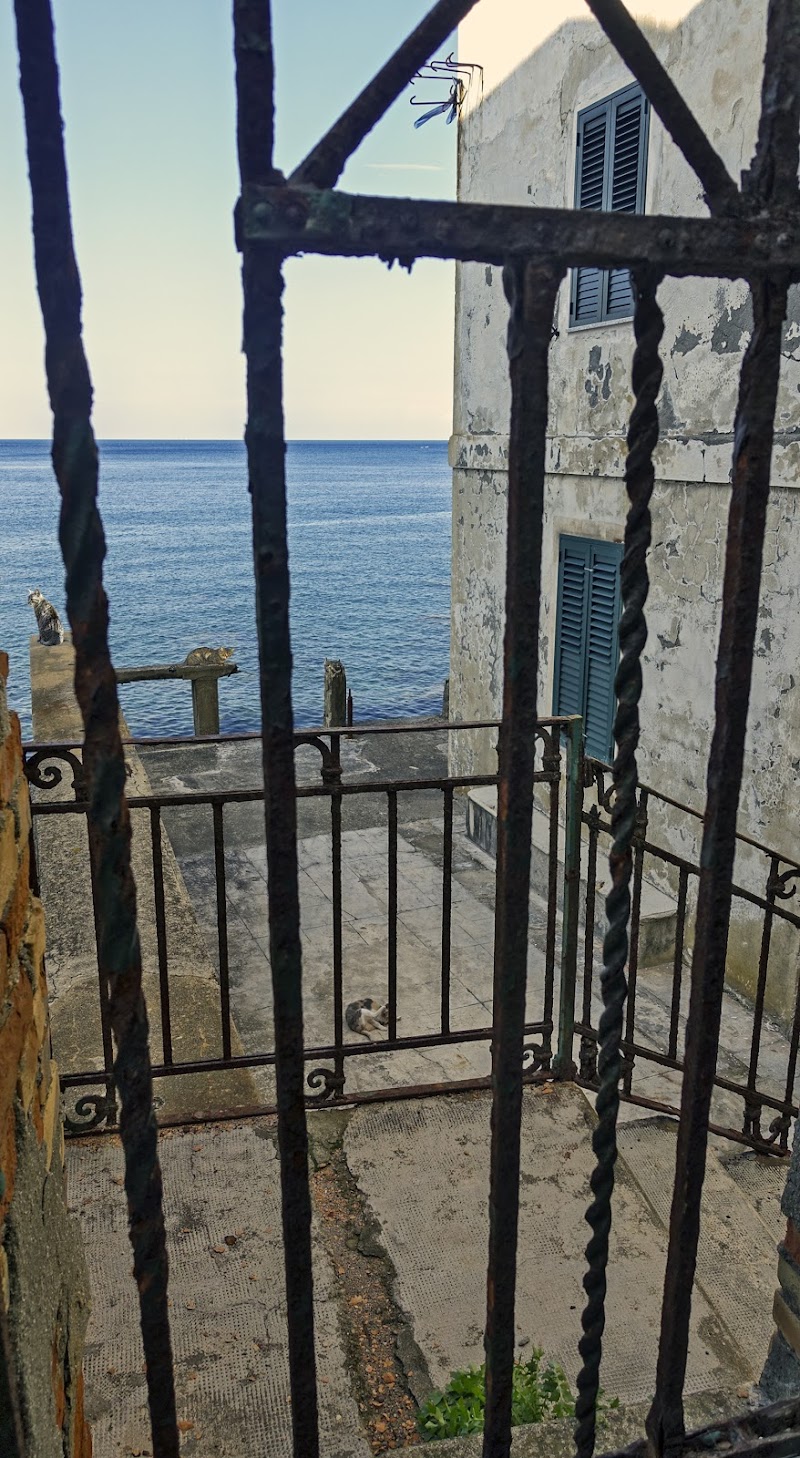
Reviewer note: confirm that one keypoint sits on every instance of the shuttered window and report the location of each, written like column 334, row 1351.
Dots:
column 587, row 646
column 609, row 177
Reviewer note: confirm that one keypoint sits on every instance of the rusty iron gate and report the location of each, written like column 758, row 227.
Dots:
column 752, row 233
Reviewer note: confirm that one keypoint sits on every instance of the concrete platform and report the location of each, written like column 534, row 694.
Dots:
column 420, row 1172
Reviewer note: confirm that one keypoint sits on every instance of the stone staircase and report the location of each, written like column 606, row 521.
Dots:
column 658, row 915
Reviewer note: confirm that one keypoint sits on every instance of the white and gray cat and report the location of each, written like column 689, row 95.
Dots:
column 365, row 1016
column 51, row 630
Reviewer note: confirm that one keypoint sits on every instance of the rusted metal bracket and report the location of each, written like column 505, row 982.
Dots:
column 325, row 163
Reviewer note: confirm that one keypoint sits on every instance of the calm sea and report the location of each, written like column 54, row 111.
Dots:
column 369, row 538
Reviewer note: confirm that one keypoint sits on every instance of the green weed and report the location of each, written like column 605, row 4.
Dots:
column 538, row 1392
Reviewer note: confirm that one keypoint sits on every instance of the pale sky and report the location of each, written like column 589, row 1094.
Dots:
column 148, row 100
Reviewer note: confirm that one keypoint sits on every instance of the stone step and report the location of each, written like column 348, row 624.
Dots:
column 658, row 914
column 737, row 1257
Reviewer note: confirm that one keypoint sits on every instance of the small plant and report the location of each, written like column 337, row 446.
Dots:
column 538, row 1392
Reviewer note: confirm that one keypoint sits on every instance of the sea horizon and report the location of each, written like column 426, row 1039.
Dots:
column 369, row 542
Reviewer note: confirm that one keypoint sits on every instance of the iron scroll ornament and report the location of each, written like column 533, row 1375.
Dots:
column 43, row 772
column 329, row 1083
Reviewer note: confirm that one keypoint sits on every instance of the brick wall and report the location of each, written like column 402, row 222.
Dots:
column 43, row 1280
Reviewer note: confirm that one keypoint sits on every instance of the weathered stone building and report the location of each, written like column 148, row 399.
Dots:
column 519, row 142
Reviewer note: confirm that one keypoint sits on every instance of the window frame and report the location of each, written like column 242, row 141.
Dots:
column 591, row 548
column 609, row 106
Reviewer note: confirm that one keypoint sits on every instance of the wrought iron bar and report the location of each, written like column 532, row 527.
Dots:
column 565, row 1059
column 677, row 964
column 447, row 905
column 648, row 326
column 325, row 164
column 222, row 927
column 763, row 968
column 105, row 1108
column 392, row 914
column 588, row 1047
column 769, row 179
column 639, row 837
column 161, row 932
column 299, row 220
column 551, row 763
column 262, row 284
column 531, row 291
column 332, row 776
column 83, row 547
column 721, row 192
column 746, row 523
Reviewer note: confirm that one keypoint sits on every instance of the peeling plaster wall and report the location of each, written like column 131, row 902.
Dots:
column 518, row 146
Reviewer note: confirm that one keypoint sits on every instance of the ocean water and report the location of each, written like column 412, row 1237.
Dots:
column 369, row 543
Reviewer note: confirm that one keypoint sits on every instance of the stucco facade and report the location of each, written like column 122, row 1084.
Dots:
column 517, row 145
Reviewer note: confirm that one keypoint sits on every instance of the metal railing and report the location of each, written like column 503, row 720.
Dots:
column 775, row 1093
column 568, row 885
column 58, row 768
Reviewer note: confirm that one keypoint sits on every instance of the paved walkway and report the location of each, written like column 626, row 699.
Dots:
column 419, row 1173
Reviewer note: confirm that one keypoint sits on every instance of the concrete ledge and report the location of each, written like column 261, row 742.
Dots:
column 556, row 1439
column 658, row 917
column 63, row 860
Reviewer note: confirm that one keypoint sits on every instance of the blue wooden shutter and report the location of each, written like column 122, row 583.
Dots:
column 610, row 170
column 602, row 652
column 590, row 189
column 587, row 638
column 573, row 588
column 626, row 186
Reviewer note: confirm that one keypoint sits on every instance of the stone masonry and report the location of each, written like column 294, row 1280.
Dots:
column 43, row 1275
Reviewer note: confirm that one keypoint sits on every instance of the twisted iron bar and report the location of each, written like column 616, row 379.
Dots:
column 83, row 548
column 648, row 325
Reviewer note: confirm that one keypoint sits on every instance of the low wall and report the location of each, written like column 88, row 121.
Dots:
column 44, row 1287
column 63, row 863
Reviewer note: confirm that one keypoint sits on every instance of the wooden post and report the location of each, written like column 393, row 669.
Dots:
column 205, row 704
column 334, row 714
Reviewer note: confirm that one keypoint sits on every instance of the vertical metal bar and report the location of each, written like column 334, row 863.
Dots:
column 633, row 953
column 791, row 1067
column 588, row 1053
column 763, row 967
column 773, row 178
column 392, row 874
column 648, row 327
column 447, row 904
column 110, row 1099
column 531, row 291
column 262, row 284
column 565, row 1059
column 677, row 966
column 552, row 762
column 222, row 927
column 36, row 886
column 334, row 773
column 161, row 932
column 83, row 547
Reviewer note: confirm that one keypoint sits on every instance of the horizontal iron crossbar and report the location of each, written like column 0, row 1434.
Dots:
column 303, row 220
